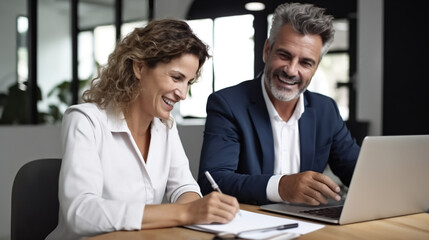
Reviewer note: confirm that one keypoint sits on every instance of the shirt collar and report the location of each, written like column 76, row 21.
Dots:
column 117, row 123
column 272, row 112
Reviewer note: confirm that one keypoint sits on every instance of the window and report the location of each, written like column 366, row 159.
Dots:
column 195, row 103
column 22, row 51
column 333, row 71
column 231, row 45
column 13, row 97
column 233, row 50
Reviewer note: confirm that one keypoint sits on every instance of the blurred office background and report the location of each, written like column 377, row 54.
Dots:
column 50, row 49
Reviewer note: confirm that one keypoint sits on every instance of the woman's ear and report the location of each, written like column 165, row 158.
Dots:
column 137, row 68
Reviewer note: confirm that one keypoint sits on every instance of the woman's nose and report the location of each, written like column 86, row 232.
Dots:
column 182, row 91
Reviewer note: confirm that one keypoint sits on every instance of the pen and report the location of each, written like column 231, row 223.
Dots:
column 212, row 182
column 227, row 235
column 280, row 227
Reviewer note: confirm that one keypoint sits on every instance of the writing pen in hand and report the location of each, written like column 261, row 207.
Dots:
column 214, row 184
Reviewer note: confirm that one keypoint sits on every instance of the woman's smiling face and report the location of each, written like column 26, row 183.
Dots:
column 164, row 85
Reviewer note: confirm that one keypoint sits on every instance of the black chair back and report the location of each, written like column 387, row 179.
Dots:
column 34, row 212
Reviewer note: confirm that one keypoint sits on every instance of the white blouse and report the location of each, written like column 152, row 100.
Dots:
column 104, row 182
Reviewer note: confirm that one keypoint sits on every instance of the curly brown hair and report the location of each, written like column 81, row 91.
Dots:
column 159, row 42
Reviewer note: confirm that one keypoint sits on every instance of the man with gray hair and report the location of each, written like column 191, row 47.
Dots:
column 270, row 139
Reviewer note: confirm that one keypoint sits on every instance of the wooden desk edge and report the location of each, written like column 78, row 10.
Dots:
column 414, row 226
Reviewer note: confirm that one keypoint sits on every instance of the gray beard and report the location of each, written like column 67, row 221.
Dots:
column 282, row 95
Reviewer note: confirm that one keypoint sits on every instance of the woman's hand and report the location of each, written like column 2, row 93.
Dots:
column 214, row 207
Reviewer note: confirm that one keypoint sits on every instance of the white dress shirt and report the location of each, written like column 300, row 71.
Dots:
column 104, row 181
column 286, row 144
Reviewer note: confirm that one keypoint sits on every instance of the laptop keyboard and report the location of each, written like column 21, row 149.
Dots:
column 330, row 212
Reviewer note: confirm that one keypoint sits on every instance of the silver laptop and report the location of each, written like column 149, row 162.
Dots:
column 390, row 179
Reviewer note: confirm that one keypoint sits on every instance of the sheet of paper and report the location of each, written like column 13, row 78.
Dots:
column 250, row 220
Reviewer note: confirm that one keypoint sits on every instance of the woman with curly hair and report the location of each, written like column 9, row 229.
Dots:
column 122, row 155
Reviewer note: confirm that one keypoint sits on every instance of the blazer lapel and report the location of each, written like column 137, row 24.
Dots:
column 307, row 132
column 261, row 121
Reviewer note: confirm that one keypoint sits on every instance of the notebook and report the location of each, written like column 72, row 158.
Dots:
column 252, row 225
column 390, row 179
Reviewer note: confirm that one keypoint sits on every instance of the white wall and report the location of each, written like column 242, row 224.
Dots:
column 19, row 145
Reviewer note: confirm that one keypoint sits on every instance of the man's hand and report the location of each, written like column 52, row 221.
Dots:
column 308, row 187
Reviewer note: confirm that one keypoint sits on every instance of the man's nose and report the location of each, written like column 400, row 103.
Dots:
column 291, row 68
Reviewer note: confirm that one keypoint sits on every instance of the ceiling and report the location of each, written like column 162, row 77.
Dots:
column 219, row 8
column 100, row 12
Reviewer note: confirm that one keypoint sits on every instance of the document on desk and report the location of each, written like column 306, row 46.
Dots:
column 247, row 220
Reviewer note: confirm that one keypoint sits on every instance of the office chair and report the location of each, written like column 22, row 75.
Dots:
column 34, row 212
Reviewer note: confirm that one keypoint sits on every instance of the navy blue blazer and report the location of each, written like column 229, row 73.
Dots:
column 238, row 147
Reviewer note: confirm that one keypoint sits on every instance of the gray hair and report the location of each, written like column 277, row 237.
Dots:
column 305, row 19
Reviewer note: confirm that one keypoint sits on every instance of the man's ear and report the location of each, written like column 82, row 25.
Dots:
column 137, row 68
column 266, row 50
